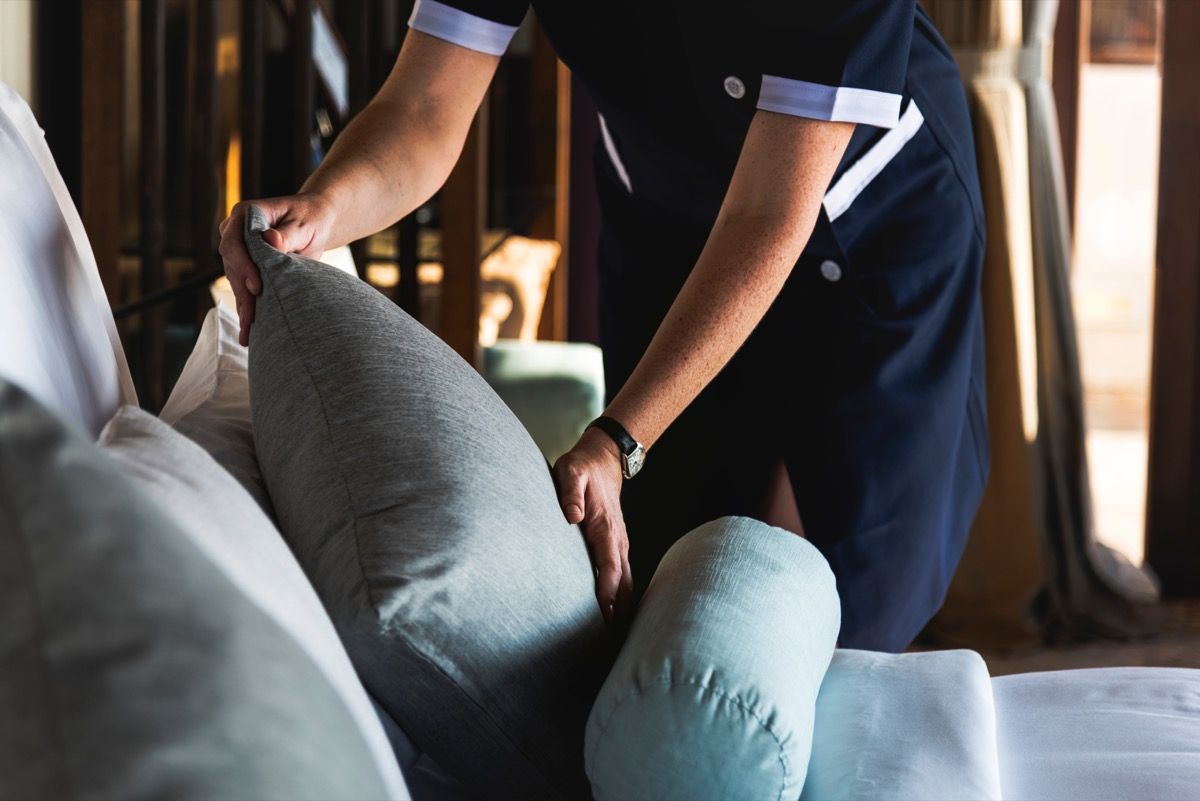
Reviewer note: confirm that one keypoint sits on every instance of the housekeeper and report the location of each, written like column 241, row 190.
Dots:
column 789, row 273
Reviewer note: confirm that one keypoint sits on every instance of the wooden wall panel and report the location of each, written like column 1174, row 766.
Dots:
column 206, row 166
column 253, row 80
column 101, row 135
column 152, row 201
column 464, row 211
column 1069, row 47
column 1173, row 497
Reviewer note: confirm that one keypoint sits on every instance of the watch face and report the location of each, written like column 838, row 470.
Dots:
column 634, row 461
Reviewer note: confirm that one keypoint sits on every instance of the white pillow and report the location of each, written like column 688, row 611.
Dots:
column 224, row 522
column 904, row 726
column 211, row 402
column 1103, row 733
column 57, row 336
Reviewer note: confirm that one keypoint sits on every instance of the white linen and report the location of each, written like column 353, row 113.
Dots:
column 57, row 336
column 1108, row 733
column 210, row 402
column 904, row 726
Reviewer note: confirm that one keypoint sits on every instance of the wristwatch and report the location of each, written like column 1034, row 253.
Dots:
column 633, row 455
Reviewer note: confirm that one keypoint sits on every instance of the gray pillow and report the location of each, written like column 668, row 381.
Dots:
column 130, row 667
column 428, row 522
column 223, row 521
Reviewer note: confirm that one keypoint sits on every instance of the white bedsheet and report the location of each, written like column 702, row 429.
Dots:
column 1109, row 733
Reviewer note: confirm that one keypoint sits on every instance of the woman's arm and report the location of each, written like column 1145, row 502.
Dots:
column 390, row 159
column 764, row 223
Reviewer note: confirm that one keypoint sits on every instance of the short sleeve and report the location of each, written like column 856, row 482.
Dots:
column 486, row 26
column 837, row 60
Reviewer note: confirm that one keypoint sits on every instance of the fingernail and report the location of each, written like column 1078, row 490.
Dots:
column 573, row 511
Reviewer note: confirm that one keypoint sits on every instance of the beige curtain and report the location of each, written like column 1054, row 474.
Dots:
column 1032, row 568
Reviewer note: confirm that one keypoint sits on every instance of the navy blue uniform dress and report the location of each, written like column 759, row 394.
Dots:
column 866, row 376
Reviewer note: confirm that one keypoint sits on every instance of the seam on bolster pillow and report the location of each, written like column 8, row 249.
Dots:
column 747, row 709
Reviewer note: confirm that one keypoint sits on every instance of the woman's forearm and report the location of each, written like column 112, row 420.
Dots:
column 381, row 168
column 766, row 221
column 739, row 274
column 397, row 152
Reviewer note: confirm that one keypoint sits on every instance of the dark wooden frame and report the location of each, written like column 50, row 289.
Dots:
column 1070, row 50
column 206, row 162
column 101, row 156
column 464, row 213
column 1173, row 496
column 152, row 194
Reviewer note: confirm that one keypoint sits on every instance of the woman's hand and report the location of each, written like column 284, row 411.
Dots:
column 299, row 224
column 589, row 489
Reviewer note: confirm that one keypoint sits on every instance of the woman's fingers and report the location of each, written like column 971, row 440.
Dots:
column 239, row 269
column 294, row 229
column 589, row 492
column 606, row 557
column 624, row 602
column 572, row 482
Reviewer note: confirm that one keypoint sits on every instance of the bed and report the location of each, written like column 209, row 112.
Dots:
column 1128, row 733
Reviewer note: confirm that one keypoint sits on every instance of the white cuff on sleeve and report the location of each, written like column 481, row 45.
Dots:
column 460, row 28
column 834, row 103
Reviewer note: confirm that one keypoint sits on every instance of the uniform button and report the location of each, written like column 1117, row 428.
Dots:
column 734, row 87
column 831, row 271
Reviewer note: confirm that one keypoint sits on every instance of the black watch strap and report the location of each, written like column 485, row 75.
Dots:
column 617, row 433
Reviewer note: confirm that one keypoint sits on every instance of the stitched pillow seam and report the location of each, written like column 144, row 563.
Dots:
column 720, row 692
column 503, row 738
column 333, row 447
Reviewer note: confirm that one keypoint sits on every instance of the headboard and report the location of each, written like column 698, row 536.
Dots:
column 57, row 335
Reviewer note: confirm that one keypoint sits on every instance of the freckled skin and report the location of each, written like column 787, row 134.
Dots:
column 400, row 149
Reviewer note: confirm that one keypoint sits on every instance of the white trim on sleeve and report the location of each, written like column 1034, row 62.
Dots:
column 870, row 164
column 460, row 28
column 611, row 148
column 834, row 103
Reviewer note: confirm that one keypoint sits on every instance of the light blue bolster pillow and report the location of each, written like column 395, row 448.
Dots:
column 713, row 694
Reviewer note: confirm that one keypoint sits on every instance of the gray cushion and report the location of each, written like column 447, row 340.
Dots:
column 130, row 667
column 221, row 518
column 428, row 522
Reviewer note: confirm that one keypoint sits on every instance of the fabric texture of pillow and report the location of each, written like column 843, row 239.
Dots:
column 130, row 666
column 916, row 726
column 223, row 521
column 428, row 521
column 210, row 402
column 714, row 691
